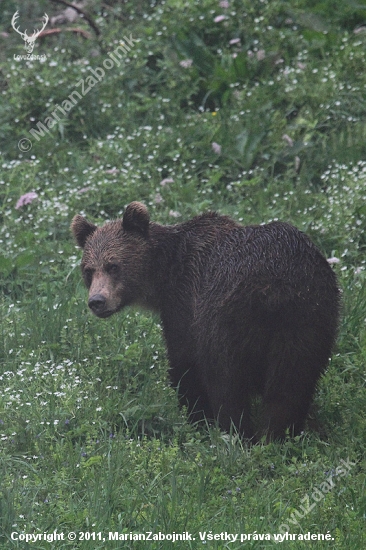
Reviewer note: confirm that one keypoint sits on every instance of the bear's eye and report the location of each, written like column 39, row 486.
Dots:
column 88, row 276
column 112, row 269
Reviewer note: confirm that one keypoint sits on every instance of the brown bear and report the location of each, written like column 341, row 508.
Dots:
column 245, row 311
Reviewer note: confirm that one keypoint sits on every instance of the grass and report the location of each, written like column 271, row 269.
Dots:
column 91, row 437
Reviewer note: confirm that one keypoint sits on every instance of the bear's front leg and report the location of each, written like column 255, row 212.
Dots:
column 230, row 403
column 191, row 394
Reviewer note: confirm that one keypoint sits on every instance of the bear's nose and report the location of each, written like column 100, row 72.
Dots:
column 97, row 303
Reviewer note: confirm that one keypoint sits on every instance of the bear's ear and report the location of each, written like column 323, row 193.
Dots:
column 81, row 229
column 136, row 218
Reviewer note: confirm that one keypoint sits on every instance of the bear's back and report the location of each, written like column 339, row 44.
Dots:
column 224, row 250
column 271, row 268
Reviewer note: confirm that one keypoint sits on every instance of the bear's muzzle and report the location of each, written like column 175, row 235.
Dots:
column 97, row 304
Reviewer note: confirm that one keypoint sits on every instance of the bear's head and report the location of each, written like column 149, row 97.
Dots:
column 115, row 259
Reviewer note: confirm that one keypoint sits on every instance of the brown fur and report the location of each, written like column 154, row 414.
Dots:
column 245, row 310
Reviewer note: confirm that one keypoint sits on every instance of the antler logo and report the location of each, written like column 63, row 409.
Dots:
column 29, row 40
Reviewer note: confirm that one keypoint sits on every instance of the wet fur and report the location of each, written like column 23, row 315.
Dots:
column 245, row 310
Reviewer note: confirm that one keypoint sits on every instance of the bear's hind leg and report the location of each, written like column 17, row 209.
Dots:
column 295, row 364
column 282, row 414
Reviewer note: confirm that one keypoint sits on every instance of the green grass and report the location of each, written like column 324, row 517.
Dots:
column 91, row 436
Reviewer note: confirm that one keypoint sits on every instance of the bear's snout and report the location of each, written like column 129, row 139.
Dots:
column 97, row 303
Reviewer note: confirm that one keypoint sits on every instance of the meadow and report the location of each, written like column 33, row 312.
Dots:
column 255, row 109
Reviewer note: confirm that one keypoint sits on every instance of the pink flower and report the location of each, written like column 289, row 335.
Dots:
column 186, row 63
column 174, row 213
column 26, row 199
column 216, row 147
column 234, row 41
column 219, row 18
column 224, row 4
column 333, row 260
column 165, row 181
column 289, row 140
